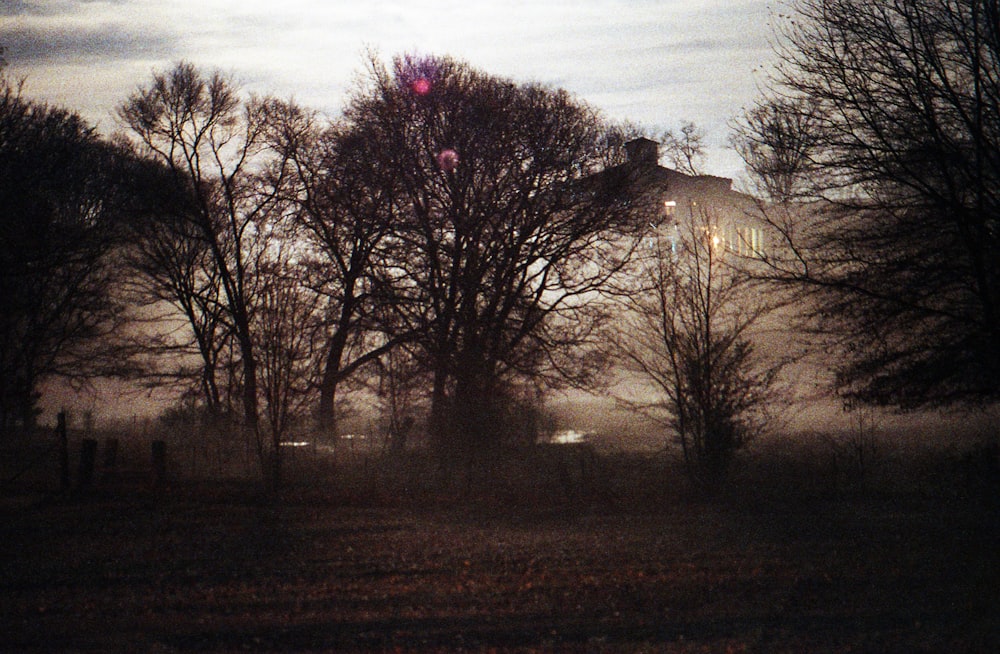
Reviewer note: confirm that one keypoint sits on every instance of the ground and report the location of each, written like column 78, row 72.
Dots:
column 218, row 568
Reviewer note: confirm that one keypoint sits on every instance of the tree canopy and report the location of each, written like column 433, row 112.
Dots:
column 500, row 238
column 883, row 122
column 61, row 204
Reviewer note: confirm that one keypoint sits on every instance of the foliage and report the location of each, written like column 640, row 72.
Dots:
column 60, row 209
column 882, row 123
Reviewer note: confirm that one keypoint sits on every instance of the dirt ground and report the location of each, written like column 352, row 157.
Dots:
column 213, row 570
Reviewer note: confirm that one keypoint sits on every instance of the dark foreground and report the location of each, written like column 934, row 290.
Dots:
column 555, row 550
column 209, row 571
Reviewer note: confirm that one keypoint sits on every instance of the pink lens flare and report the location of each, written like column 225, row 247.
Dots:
column 447, row 160
column 417, row 74
column 420, row 86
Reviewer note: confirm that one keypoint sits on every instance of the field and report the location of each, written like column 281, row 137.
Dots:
column 611, row 554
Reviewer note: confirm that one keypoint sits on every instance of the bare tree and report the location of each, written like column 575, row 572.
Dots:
column 210, row 139
column 685, row 151
column 500, row 238
column 399, row 383
column 177, row 281
column 777, row 141
column 891, row 113
column 343, row 208
column 687, row 332
column 286, row 324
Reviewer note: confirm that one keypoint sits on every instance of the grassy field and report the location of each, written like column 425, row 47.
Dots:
column 609, row 554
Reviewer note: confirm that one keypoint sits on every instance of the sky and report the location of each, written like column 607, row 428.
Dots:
column 653, row 62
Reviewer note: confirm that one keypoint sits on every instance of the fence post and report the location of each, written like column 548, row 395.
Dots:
column 88, row 456
column 63, row 451
column 110, row 455
column 159, row 463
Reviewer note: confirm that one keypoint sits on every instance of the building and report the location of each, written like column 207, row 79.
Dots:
column 672, row 200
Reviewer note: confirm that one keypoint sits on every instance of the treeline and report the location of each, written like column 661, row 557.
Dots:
column 461, row 240
column 261, row 256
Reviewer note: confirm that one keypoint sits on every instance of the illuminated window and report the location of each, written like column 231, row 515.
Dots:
column 750, row 242
column 670, row 208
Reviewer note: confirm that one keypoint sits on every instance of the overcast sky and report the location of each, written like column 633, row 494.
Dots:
column 654, row 62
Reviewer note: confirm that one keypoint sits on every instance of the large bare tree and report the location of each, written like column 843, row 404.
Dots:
column 342, row 205
column 177, row 282
column 882, row 125
column 500, row 239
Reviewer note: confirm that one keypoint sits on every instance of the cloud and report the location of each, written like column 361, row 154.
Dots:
column 43, row 45
column 36, row 8
column 40, row 33
column 655, row 62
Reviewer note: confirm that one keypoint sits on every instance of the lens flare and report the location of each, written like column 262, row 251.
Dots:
column 420, row 86
column 447, row 160
column 417, row 74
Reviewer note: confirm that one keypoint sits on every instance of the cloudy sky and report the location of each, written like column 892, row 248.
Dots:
column 654, row 62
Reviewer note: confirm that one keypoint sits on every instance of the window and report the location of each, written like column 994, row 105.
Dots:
column 750, row 242
column 670, row 208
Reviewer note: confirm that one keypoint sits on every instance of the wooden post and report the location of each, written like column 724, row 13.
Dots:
column 63, row 451
column 159, row 451
column 110, row 457
column 88, row 456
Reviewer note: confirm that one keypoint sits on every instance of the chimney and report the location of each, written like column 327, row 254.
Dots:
column 643, row 152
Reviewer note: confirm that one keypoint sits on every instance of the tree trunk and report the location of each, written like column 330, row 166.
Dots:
column 328, row 385
column 275, row 472
column 438, row 422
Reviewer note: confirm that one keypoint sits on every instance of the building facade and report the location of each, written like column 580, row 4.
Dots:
column 673, row 201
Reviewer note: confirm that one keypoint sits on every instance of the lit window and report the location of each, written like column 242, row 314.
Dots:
column 751, row 242
column 670, row 208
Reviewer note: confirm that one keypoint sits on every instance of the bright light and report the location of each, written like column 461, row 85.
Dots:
column 421, row 86
column 568, row 437
column 447, row 160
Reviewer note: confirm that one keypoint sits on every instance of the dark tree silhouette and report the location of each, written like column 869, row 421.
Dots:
column 883, row 125
column 685, row 151
column 342, row 208
column 60, row 207
column 213, row 143
column 499, row 237
column 177, row 279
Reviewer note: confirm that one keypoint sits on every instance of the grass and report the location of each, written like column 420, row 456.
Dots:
column 566, row 551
